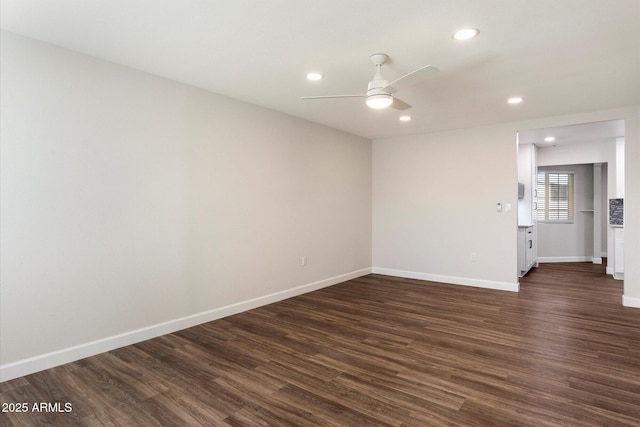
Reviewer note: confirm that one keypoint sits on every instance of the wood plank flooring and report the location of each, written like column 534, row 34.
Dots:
column 374, row 351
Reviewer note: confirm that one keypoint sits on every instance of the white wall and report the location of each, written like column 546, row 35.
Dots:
column 603, row 151
column 133, row 206
column 434, row 199
column 632, row 209
column 568, row 242
column 434, row 206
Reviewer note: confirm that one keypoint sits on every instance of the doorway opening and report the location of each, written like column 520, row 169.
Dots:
column 593, row 155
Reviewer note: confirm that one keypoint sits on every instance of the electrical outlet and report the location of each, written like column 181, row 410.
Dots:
column 474, row 257
column 303, row 261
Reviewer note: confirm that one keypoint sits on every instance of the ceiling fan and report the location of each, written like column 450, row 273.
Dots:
column 379, row 91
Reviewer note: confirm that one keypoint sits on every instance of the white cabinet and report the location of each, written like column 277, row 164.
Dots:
column 618, row 253
column 527, row 204
column 527, row 176
column 527, row 250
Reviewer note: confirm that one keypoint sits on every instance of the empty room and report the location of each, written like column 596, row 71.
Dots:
column 340, row 213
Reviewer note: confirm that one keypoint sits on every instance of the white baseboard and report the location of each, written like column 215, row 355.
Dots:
column 630, row 302
column 453, row 280
column 596, row 260
column 610, row 271
column 31, row 365
column 567, row 259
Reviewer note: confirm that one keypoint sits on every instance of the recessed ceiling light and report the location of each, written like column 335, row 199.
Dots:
column 405, row 118
column 314, row 76
column 515, row 100
column 549, row 139
column 466, row 34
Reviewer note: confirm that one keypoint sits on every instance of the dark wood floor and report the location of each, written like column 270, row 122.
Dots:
column 376, row 350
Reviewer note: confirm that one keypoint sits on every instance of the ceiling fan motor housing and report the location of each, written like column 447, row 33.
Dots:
column 376, row 85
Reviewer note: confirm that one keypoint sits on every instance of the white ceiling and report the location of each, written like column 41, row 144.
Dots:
column 562, row 56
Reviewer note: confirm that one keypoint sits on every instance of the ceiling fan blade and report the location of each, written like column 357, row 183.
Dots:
column 333, row 96
column 390, row 89
column 398, row 104
column 412, row 78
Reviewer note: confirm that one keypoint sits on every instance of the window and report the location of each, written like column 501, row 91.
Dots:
column 555, row 196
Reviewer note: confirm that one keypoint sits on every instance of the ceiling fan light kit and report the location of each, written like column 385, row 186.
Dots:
column 379, row 101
